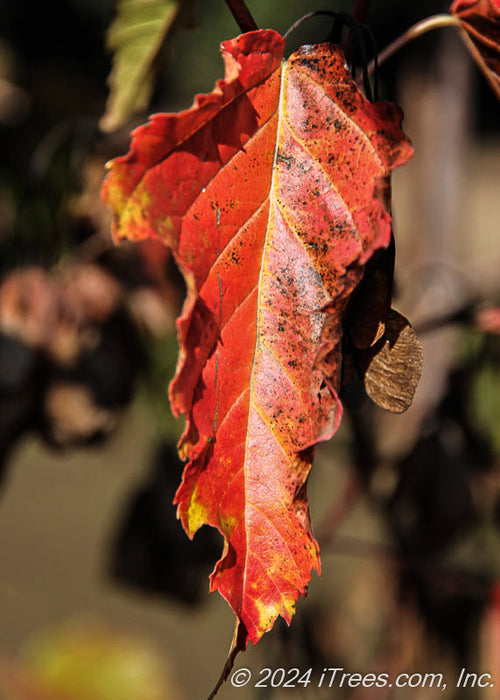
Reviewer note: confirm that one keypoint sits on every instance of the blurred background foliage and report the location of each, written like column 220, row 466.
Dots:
column 101, row 593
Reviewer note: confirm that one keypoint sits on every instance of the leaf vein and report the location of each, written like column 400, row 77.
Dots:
column 354, row 124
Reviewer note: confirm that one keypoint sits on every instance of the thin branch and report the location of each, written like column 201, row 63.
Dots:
column 418, row 29
column 464, row 315
column 91, row 248
column 242, row 15
column 359, row 16
column 339, row 510
column 361, row 10
column 449, row 578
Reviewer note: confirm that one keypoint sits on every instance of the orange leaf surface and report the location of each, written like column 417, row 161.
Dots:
column 480, row 20
column 272, row 193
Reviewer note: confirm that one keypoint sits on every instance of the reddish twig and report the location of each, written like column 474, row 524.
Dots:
column 361, row 10
column 359, row 15
column 422, row 27
column 450, row 578
column 339, row 510
column 242, row 15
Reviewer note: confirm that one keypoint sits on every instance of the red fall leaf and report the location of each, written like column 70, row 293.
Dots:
column 480, row 20
column 272, row 192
